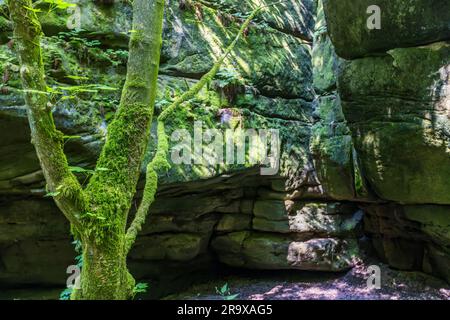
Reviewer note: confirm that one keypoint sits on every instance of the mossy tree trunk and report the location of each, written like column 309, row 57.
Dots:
column 110, row 193
column 99, row 213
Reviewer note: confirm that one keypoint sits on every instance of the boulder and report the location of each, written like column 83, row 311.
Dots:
column 257, row 250
column 397, row 110
column 404, row 23
column 331, row 143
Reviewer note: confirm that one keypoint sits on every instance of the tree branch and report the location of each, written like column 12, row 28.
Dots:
column 47, row 140
column 157, row 165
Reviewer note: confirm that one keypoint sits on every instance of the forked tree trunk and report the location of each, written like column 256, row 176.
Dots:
column 99, row 213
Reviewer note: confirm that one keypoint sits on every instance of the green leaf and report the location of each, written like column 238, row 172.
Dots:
column 77, row 77
column 60, row 4
column 32, row 9
column 140, row 288
column 224, row 288
column 67, row 98
column 79, row 89
column 33, row 91
column 81, row 170
column 102, row 169
column 52, row 194
column 71, row 137
column 232, row 297
column 106, row 88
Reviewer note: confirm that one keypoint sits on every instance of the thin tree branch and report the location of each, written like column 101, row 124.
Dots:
column 157, row 165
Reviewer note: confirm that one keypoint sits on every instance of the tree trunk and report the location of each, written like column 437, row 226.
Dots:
column 98, row 214
column 110, row 193
column 104, row 274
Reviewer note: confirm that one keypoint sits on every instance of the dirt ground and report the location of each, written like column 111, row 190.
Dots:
column 298, row 285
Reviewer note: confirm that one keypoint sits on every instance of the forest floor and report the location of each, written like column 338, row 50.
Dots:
column 296, row 285
column 351, row 285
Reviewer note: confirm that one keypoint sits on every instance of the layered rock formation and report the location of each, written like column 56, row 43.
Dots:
column 337, row 157
column 396, row 100
column 226, row 213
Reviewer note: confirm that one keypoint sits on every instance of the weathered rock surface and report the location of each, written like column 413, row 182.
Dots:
column 395, row 99
column 412, row 237
column 332, row 150
column 288, row 234
column 404, row 23
column 276, row 252
column 267, row 82
column 373, row 142
column 398, row 111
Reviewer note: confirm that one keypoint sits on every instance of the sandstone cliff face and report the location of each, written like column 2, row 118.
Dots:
column 396, row 100
column 283, row 75
column 204, row 214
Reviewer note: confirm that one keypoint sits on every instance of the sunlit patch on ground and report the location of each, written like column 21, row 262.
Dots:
column 395, row 285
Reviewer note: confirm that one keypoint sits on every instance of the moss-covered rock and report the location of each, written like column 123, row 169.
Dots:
column 331, row 143
column 394, row 96
column 194, row 36
column 296, row 18
column 266, row 83
column 332, row 150
column 272, row 61
column 403, row 23
column 397, row 111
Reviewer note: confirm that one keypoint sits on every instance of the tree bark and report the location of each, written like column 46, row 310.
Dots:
column 104, row 274
column 47, row 140
column 110, row 193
